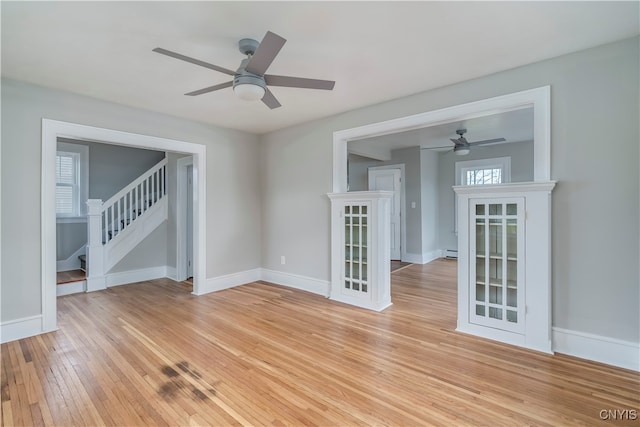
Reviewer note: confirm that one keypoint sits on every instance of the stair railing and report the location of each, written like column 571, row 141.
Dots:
column 128, row 204
column 107, row 220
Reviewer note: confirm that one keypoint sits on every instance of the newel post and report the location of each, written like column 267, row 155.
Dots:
column 95, row 257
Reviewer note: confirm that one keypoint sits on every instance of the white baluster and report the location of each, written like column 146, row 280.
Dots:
column 111, row 231
column 127, row 207
column 146, row 193
column 105, row 219
column 153, row 183
column 118, row 212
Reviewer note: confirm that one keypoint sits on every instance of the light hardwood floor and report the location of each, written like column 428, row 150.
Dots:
column 153, row 354
column 63, row 277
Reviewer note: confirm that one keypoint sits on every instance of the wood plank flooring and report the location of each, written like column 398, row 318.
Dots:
column 398, row 265
column 260, row 354
column 63, row 277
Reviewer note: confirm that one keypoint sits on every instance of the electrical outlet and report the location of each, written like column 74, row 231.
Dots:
column 413, row 205
column 283, row 261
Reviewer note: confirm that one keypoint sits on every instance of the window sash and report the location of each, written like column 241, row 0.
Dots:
column 68, row 184
column 65, row 202
column 483, row 176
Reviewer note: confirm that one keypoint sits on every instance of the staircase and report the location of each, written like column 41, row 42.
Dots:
column 117, row 226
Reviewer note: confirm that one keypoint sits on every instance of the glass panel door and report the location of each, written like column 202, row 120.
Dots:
column 356, row 232
column 497, row 279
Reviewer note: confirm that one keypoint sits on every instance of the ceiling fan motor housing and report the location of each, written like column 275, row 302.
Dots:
column 248, row 46
column 249, row 79
column 243, row 77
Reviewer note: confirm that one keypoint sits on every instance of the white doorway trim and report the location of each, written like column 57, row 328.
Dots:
column 539, row 98
column 403, row 223
column 51, row 131
column 181, row 217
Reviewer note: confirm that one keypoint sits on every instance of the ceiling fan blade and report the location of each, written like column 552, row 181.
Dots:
column 210, row 89
column 435, row 148
column 193, row 61
column 299, row 82
column 270, row 100
column 487, row 141
column 265, row 54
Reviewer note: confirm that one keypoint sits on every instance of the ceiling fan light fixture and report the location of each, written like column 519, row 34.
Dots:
column 461, row 151
column 249, row 92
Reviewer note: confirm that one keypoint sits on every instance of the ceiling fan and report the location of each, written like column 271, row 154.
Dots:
column 249, row 80
column 462, row 147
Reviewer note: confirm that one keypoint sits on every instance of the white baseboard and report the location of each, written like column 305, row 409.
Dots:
column 304, row 283
column 73, row 262
column 120, row 278
column 219, row 283
column 20, row 328
column 133, row 276
column 422, row 258
column 624, row 354
column 71, row 288
column 295, row 281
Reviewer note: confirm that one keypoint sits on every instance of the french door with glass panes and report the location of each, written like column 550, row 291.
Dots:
column 496, row 246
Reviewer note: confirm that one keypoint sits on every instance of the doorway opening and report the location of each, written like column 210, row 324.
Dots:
column 391, row 178
column 184, row 219
column 51, row 131
column 537, row 101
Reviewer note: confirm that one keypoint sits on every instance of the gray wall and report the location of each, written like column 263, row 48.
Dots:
column 359, row 172
column 410, row 158
column 233, row 199
column 521, row 154
column 151, row 252
column 594, row 109
column 429, row 169
column 111, row 168
column 69, row 238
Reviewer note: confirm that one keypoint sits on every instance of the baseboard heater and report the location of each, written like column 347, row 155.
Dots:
column 451, row 254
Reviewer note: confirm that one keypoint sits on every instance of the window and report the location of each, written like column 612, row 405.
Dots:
column 71, row 180
column 483, row 176
column 484, row 171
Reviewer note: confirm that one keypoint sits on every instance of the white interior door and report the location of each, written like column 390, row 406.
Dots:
column 390, row 180
column 189, row 221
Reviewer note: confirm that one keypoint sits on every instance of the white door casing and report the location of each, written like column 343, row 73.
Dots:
column 184, row 164
column 387, row 179
column 189, row 221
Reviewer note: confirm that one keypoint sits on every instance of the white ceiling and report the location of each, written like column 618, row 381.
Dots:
column 375, row 51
